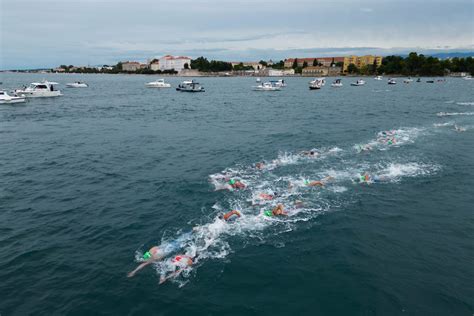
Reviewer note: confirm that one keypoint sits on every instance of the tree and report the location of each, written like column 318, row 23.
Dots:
column 305, row 64
column 295, row 64
column 352, row 69
column 315, row 62
column 186, row 66
column 263, row 63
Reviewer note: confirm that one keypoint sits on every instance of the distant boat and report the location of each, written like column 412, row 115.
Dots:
column 160, row 83
column 336, row 83
column 429, row 81
column 418, row 80
column 279, row 83
column 5, row 98
column 407, row 80
column 468, row 77
column 39, row 89
column 190, row 86
column 266, row 86
column 77, row 84
column 392, row 81
column 359, row 82
column 378, row 78
column 316, row 84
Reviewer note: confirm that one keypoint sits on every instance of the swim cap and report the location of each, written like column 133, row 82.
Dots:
column 268, row 213
column 306, row 182
column 231, row 181
column 147, row 255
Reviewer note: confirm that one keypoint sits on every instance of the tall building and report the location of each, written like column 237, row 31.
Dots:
column 177, row 63
column 361, row 61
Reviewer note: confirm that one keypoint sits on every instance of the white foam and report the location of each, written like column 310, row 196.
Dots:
column 465, row 103
column 454, row 113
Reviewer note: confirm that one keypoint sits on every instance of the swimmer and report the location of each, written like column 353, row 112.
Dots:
column 155, row 254
column 277, row 211
column 228, row 216
column 236, row 184
column 320, row 183
column 459, row 128
column 179, row 262
column 367, row 178
column 311, row 153
column 267, row 197
column 299, row 204
column 260, row 165
column 365, row 147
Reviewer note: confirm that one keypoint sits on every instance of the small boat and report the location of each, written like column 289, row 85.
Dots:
column 429, row 81
column 418, row 80
column 392, row 81
column 190, row 86
column 279, row 83
column 321, row 81
column 160, row 83
column 468, row 77
column 39, row 90
column 359, row 82
column 407, row 80
column 77, row 84
column 266, row 86
column 5, row 98
column 316, row 84
column 336, row 83
column 378, row 78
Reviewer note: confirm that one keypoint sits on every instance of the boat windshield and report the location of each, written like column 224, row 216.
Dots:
column 40, row 86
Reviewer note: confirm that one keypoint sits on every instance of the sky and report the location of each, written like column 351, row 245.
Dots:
column 48, row 33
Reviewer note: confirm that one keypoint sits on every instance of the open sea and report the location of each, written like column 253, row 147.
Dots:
column 91, row 180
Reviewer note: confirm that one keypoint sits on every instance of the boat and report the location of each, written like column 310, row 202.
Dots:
column 279, row 83
column 359, row 82
column 5, row 98
column 407, row 80
column 160, row 83
column 190, row 86
column 418, row 80
column 322, row 81
column 258, row 80
column 429, row 81
column 266, row 86
column 316, row 84
column 336, row 83
column 77, row 84
column 468, row 77
column 39, row 90
column 392, row 81
column 378, row 78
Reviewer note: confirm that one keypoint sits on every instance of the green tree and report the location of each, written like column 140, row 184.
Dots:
column 352, row 69
column 186, row 66
column 305, row 64
column 295, row 63
column 315, row 62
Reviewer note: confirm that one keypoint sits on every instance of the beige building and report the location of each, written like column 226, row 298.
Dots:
column 255, row 65
column 132, row 66
column 155, row 66
column 361, row 61
column 324, row 61
column 321, row 71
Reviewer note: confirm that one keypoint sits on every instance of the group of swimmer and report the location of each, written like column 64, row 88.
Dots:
column 180, row 262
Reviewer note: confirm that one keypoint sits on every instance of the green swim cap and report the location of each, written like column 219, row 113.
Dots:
column 147, row 255
column 268, row 213
column 306, row 182
column 231, row 181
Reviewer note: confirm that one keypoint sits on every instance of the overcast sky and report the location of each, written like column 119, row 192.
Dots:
column 47, row 33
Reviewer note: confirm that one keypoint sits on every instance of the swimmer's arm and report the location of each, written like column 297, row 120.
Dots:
column 141, row 266
column 172, row 275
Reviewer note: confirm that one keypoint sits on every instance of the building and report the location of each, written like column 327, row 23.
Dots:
column 132, row 66
column 321, row 71
column 254, row 64
column 155, row 65
column 361, row 61
column 177, row 63
column 323, row 61
column 270, row 72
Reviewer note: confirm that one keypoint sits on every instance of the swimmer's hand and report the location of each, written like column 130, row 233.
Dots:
column 130, row 274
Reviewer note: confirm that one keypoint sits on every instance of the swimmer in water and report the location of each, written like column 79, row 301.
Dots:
column 228, row 216
column 179, row 263
column 310, row 153
column 320, row 183
column 267, row 197
column 277, row 211
column 260, row 165
column 236, row 184
column 367, row 178
column 459, row 128
column 155, row 254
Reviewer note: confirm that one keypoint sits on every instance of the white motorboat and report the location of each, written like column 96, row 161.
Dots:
column 378, row 78
column 160, row 83
column 468, row 77
column 336, row 83
column 316, row 84
column 391, row 81
column 359, row 82
column 258, row 80
column 279, row 83
column 266, row 86
column 5, row 98
column 190, row 86
column 77, row 84
column 407, row 80
column 39, row 90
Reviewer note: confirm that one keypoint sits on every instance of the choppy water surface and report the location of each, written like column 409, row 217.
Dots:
column 91, row 180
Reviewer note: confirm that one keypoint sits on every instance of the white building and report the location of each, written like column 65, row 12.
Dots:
column 155, row 66
column 177, row 63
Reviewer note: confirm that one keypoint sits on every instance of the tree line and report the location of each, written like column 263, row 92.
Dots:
column 415, row 65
